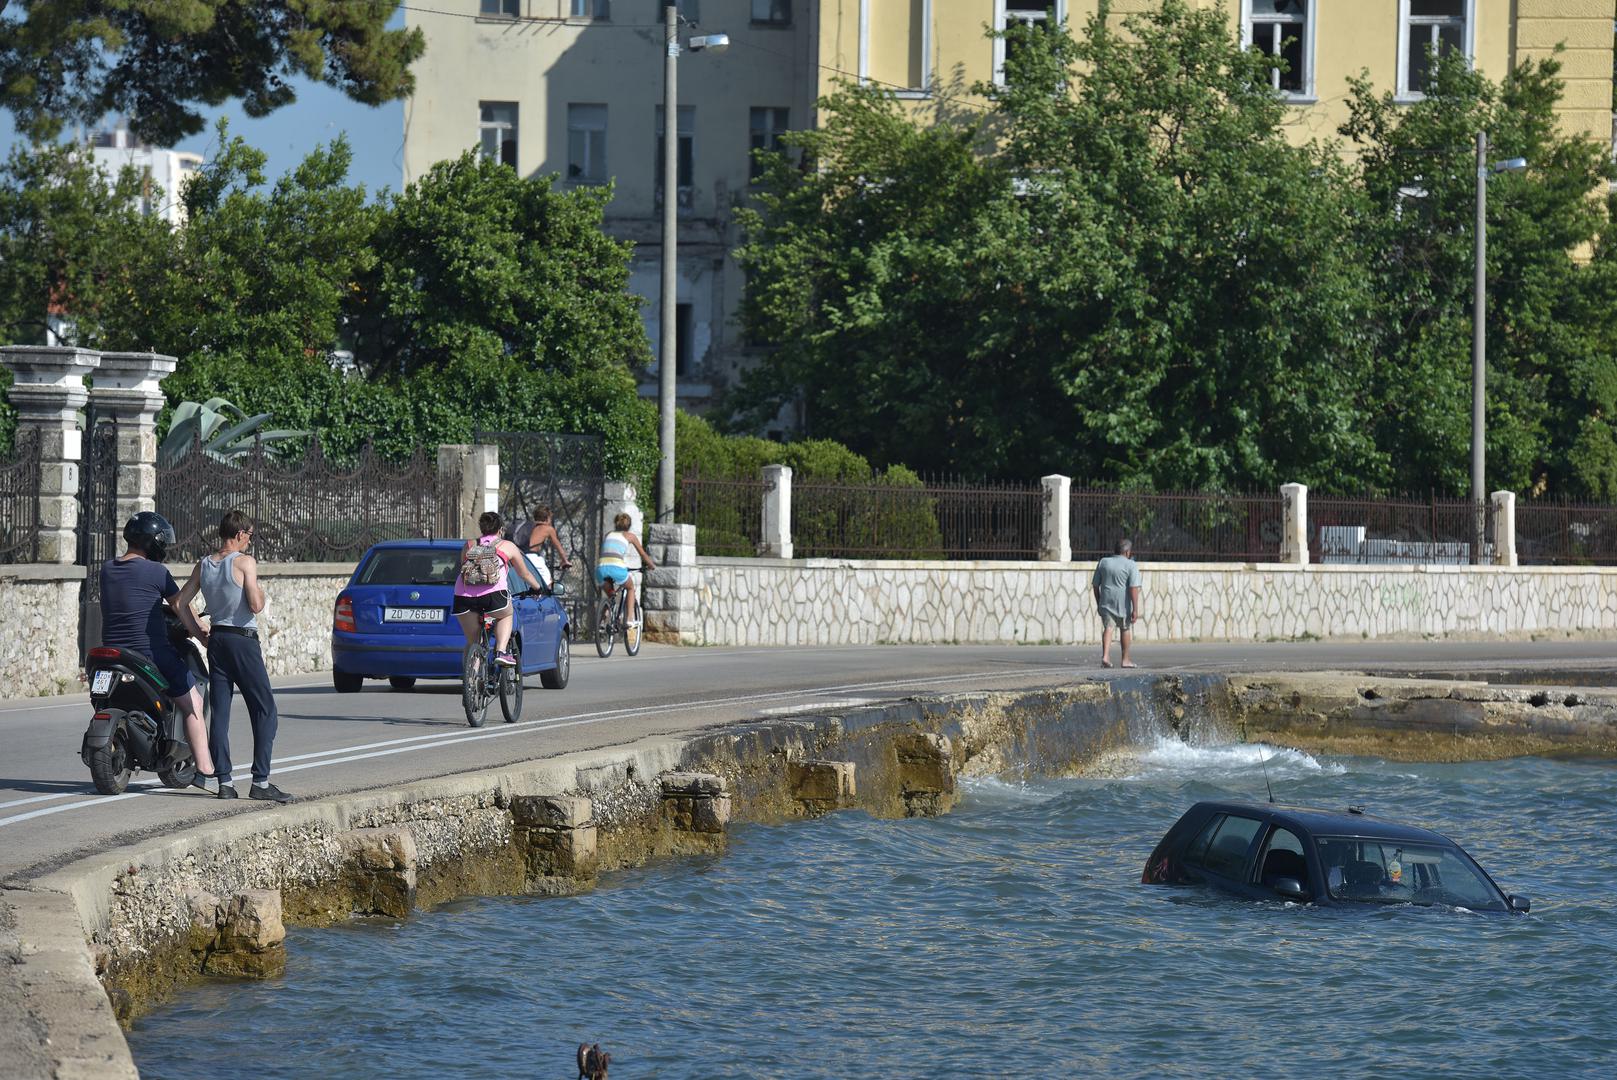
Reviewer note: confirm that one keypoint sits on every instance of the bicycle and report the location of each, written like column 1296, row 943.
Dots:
column 482, row 679
column 614, row 621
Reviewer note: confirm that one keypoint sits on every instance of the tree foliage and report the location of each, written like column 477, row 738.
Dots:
column 1129, row 271
column 154, row 61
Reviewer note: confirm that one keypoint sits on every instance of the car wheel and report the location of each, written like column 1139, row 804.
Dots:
column 346, row 683
column 402, row 682
column 556, row 678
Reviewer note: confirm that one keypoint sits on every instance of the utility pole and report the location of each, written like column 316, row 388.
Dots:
column 1479, row 363
column 667, row 319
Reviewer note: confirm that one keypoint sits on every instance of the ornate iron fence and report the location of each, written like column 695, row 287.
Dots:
column 1565, row 534
column 305, row 509
column 727, row 512
column 1426, row 531
column 1183, row 526
column 19, row 499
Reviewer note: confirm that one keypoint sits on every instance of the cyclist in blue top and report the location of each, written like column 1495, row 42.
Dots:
column 612, row 565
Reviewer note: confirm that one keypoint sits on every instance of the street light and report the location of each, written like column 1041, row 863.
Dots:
column 1479, row 361
column 667, row 329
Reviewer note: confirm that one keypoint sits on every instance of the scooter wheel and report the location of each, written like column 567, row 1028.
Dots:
column 110, row 767
column 179, row 776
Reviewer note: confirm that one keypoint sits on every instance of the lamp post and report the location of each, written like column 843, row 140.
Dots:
column 667, row 329
column 1479, row 355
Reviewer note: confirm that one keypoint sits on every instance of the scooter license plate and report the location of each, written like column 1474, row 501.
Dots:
column 101, row 683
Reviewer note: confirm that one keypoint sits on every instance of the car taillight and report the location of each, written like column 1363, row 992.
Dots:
column 344, row 619
column 101, row 652
column 102, row 716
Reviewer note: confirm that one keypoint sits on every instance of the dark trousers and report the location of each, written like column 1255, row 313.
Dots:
column 236, row 662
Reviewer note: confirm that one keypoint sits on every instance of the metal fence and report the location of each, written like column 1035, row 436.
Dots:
column 1177, row 526
column 1430, row 531
column 936, row 519
column 1565, row 534
column 307, row 509
column 19, row 499
column 727, row 512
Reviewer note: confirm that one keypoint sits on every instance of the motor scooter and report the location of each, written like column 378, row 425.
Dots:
column 136, row 724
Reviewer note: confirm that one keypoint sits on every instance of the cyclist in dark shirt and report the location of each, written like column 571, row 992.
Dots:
column 134, row 588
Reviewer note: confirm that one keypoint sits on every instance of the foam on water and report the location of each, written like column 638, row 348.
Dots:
column 1175, row 756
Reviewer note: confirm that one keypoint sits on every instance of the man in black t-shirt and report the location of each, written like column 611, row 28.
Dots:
column 134, row 588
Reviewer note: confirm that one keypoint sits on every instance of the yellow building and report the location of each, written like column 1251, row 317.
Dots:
column 574, row 87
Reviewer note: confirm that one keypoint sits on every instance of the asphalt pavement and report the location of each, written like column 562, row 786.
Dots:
column 332, row 743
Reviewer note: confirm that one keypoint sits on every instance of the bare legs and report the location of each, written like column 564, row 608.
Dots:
column 196, row 729
column 1127, row 637
column 471, row 624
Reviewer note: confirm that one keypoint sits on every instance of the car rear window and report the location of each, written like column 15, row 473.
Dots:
column 410, row 566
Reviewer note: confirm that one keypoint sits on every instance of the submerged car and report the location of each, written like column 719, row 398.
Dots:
column 1265, row 851
column 392, row 621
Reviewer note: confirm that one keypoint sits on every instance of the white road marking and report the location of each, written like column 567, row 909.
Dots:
column 429, row 742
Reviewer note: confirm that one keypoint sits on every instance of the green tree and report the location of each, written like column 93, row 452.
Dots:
column 154, row 61
column 1551, row 332
column 1125, row 271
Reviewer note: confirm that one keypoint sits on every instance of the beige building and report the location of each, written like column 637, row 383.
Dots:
column 574, row 87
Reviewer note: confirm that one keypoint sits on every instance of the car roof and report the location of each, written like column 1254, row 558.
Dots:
column 1322, row 822
column 393, row 545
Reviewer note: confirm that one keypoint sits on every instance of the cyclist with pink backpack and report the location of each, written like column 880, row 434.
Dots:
column 482, row 587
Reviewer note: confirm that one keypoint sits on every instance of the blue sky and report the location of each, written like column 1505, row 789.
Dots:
column 288, row 134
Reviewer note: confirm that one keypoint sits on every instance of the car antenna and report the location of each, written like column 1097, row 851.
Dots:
column 1264, row 761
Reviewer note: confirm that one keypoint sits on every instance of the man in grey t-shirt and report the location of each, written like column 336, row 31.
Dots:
column 1117, row 597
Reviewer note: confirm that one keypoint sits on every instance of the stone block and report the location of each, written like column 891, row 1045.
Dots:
column 655, row 599
column 925, row 763
column 667, row 621
column 822, row 782
column 675, row 555
column 671, row 577
column 672, row 534
column 692, row 783
column 552, row 811
column 695, row 802
column 381, row 870
column 251, row 939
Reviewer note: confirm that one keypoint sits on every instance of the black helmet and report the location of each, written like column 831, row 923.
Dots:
column 149, row 533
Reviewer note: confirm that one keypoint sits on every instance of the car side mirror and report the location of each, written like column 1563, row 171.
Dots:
column 1519, row 903
column 1290, row 888
column 558, row 589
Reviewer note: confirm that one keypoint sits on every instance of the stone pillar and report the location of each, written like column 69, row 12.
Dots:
column 557, row 837
column 695, row 802
column 619, row 498
column 822, row 786
column 380, row 871
column 925, row 770
column 472, row 476
column 777, row 534
column 669, row 598
column 1504, row 528
column 1294, row 524
column 48, row 391
column 1056, row 545
column 127, row 388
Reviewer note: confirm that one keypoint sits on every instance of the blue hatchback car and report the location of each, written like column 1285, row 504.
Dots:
column 392, row 621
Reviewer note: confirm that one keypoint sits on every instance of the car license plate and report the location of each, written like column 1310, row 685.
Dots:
column 413, row 614
column 101, row 683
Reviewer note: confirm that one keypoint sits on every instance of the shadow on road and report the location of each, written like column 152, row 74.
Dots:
column 392, row 721
column 63, row 787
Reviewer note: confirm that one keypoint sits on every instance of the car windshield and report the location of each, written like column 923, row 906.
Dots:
column 1400, row 872
column 410, row 566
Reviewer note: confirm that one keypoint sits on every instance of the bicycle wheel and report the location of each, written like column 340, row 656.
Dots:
column 511, row 687
column 631, row 636
column 474, row 693
column 606, row 628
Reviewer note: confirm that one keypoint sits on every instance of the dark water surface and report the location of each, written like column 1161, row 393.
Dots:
column 1010, row 939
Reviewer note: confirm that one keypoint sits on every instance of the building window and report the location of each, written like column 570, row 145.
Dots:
column 767, row 126
column 772, row 12
column 1427, row 27
column 498, row 129
column 500, row 9
column 684, row 340
column 592, row 9
column 1042, row 14
column 586, row 144
column 686, row 154
column 1282, row 29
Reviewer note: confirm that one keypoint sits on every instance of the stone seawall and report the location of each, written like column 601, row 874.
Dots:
column 39, row 635
column 843, row 602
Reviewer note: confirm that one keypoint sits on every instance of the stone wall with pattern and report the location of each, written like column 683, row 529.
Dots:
column 39, row 634
column 842, row 602
column 295, row 625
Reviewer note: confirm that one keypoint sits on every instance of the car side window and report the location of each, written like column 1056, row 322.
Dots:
column 1198, row 847
column 1226, row 855
column 1282, row 858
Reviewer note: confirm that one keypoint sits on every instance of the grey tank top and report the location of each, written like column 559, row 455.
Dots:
column 227, row 601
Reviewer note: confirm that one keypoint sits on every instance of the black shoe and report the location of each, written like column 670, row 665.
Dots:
column 227, row 791
column 269, row 793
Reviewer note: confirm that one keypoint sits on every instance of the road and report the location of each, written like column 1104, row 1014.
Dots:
column 331, row 743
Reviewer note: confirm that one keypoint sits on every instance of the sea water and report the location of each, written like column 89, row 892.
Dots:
column 1011, row 938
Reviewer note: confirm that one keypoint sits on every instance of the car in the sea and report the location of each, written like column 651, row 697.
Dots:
column 1327, row 857
column 392, row 621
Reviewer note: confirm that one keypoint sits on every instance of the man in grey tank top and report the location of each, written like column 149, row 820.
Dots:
column 229, row 583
